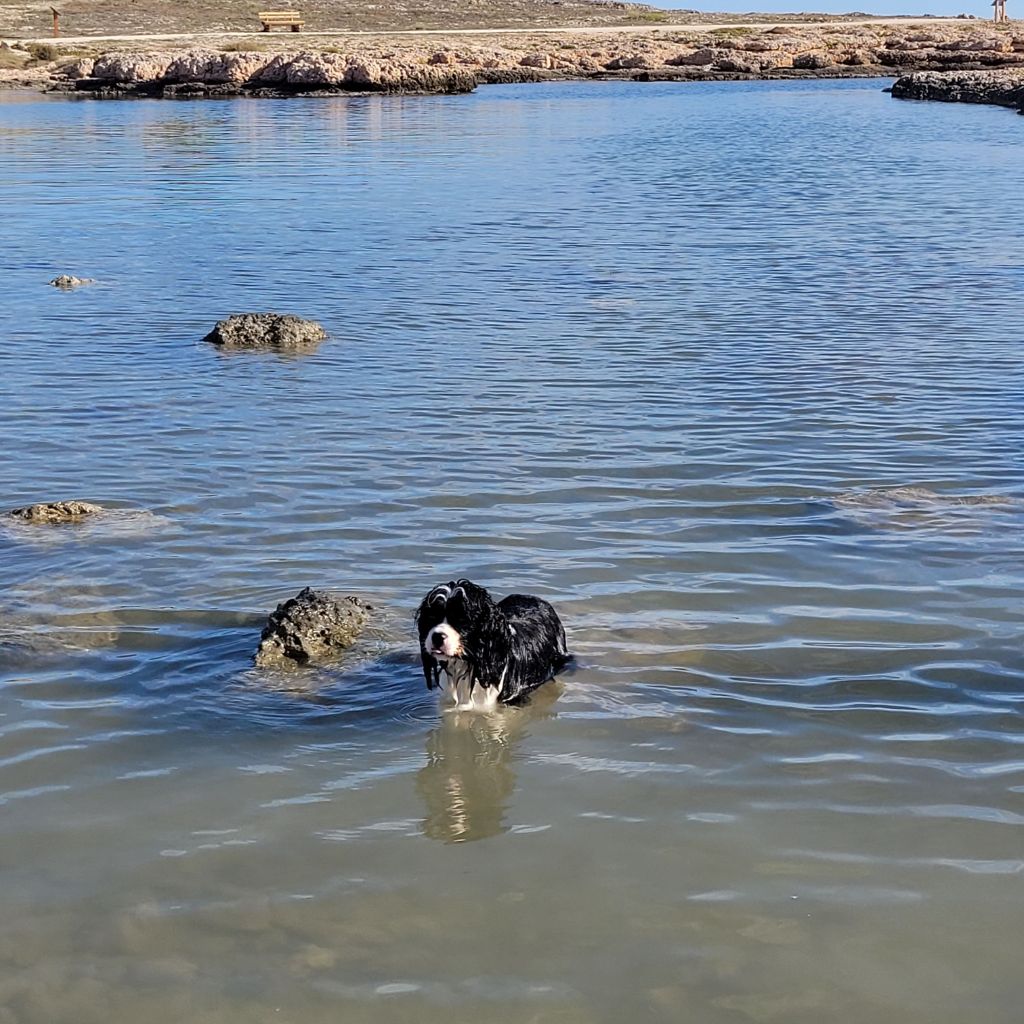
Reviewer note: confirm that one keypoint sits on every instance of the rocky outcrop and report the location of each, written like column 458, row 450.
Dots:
column 213, row 72
column 75, row 69
column 1003, row 88
column 703, row 57
column 215, row 68
column 276, row 331
column 130, row 68
column 56, row 512
column 66, row 282
column 313, row 626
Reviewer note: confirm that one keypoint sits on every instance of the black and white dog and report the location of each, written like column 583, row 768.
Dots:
column 490, row 653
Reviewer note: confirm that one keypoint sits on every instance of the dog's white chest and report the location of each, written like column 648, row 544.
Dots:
column 462, row 695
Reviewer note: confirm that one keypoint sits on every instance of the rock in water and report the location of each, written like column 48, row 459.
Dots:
column 56, row 512
column 280, row 332
column 1003, row 88
column 916, row 498
column 68, row 281
column 310, row 627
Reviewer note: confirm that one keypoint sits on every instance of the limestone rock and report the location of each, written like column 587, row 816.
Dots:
column 75, row 69
column 407, row 76
column 975, row 43
column 317, row 70
column 775, row 59
column 214, row 68
column 309, row 70
column 131, row 68
column 630, row 61
column 854, row 58
column 813, row 60
column 899, row 58
column 1004, row 88
column 310, row 627
column 205, row 72
column 537, row 60
column 704, row 57
column 762, row 45
column 737, row 64
column 275, row 331
column 56, row 512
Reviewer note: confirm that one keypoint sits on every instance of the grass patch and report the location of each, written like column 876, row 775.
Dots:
column 13, row 58
column 244, row 47
column 43, row 53
column 648, row 18
column 732, row 33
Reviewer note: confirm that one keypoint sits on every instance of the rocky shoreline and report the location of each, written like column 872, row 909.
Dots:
column 212, row 73
column 459, row 64
column 1001, row 88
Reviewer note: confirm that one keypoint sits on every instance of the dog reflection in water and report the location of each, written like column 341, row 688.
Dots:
column 470, row 772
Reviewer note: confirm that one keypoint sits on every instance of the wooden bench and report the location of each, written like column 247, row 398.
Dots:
column 280, row 19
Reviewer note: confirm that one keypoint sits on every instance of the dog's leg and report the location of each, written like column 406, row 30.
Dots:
column 484, row 698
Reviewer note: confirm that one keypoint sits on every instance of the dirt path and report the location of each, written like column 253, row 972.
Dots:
column 592, row 30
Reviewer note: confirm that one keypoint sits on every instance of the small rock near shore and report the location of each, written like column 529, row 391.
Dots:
column 56, row 511
column 280, row 332
column 68, row 281
column 310, row 627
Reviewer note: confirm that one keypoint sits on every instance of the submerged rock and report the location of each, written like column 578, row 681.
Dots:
column 916, row 498
column 281, row 332
column 68, row 281
column 56, row 512
column 22, row 645
column 309, row 627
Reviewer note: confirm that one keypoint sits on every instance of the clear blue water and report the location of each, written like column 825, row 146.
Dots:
column 620, row 345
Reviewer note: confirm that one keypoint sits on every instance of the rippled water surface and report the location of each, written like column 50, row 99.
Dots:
column 618, row 345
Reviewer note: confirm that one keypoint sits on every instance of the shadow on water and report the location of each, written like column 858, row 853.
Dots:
column 470, row 775
column 381, row 689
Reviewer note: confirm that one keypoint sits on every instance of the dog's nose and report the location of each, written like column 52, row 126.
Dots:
column 437, row 639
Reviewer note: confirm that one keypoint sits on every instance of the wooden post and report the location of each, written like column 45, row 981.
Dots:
column 56, row 22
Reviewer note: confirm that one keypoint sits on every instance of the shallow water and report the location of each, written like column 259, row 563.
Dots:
column 617, row 345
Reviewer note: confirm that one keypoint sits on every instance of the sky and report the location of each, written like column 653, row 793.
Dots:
column 947, row 8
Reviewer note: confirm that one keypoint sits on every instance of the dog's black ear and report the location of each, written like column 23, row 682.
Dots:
column 489, row 644
column 431, row 672
column 421, row 612
column 425, row 621
column 478, row 601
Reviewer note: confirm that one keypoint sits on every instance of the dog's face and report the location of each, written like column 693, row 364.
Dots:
column 447, row 616
column 449, row 620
